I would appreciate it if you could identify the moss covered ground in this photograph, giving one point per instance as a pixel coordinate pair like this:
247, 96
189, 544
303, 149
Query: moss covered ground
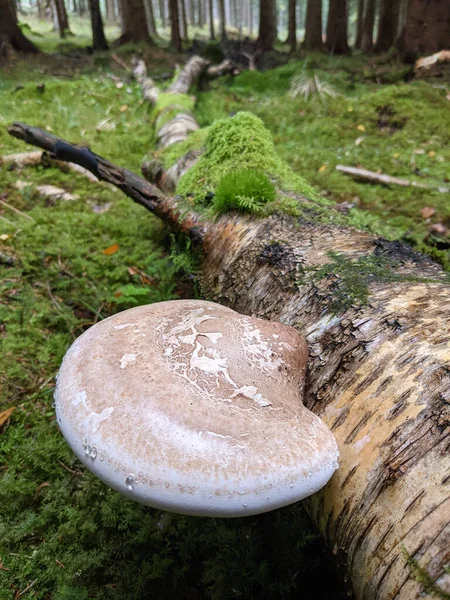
63, 534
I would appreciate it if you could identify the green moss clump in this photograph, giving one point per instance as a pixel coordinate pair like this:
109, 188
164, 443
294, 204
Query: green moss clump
239, 143
245, 190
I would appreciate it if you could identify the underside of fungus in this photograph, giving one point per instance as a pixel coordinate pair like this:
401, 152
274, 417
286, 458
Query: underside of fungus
191, 407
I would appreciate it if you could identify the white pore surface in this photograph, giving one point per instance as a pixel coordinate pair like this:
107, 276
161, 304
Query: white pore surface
155, 403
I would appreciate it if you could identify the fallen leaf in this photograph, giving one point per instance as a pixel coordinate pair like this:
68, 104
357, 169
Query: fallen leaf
5, 236
359, 140
4, 416
350, 109
323, 168
361, 128
119, 85
396, 155
123, 108
427, 212
419, 151
111, 249
431, 153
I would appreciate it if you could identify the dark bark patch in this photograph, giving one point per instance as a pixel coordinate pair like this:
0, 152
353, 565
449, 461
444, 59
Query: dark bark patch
352, 435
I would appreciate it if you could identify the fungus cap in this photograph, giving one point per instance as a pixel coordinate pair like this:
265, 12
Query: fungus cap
191, 407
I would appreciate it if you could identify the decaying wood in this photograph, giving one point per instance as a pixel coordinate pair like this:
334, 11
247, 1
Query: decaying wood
167, 181
429, 66
379, 373
379, 178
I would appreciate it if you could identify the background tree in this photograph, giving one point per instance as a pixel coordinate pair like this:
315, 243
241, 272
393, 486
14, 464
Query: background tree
60, 17
222, 20
359, 24
134, 22
211, 20
426, 30
175, 37
313, 26
292, 25
98, 35
267, 25
337, 27
367, 27
184, 25
388, 25
111, 13
162, 13
10, 32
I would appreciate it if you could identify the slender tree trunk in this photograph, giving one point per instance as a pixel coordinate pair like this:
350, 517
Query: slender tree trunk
10, 32
427, 28
267, 25
175, 37
292, 26
388, 25
368, 24
134, 21
151, 24
211, 20
111, 15
337, 28
222, 19
359, 25
185, 34
162, 13
250, 18
98, 35
313, 26
62, 21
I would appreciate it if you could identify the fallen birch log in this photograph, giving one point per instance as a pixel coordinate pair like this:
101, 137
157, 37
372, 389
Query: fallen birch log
379, 178
376, 316
33, 159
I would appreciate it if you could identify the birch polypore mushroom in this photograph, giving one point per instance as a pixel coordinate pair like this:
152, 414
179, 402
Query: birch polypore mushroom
191, 407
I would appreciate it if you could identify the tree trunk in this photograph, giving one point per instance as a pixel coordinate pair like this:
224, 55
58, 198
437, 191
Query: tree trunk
388, 25
134, 22
175, 37
111, 15
292, 26
211, 20
267, 25
222, 19
313, 26
367, 30
427, 29
162, 13
250, 18
184, 19
359, 25
151, 25
62, 20
378, 373
10, 32
337, 28
98, 35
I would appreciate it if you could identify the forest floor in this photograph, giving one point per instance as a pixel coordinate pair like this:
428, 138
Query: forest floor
63, 534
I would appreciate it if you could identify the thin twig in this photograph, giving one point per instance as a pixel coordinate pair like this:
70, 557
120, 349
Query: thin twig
16, 210
26, 589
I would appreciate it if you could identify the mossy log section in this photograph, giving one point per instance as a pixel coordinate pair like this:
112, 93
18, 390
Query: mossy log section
378, 374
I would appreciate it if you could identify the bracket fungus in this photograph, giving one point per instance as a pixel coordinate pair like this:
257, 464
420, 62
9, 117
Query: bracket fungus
191, 407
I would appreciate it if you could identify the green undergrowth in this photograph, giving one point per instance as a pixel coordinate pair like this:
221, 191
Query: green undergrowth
400, 130
65, 265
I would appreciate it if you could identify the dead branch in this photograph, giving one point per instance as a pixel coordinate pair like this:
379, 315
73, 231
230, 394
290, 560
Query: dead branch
379, 178
428, 66
132, 185
33, 159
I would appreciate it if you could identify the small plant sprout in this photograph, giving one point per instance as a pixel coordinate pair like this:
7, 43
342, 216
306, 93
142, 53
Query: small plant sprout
190, 407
